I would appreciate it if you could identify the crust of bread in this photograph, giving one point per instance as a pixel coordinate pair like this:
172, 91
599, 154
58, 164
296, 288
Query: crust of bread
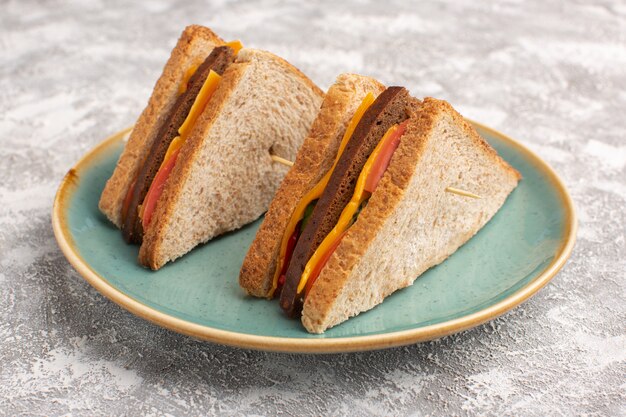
250, 54
314, 159
158, 243
195, 43
362, 271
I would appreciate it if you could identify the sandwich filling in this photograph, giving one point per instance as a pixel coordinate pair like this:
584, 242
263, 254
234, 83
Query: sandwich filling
195, 91
304, 209
368, 180
156, 187
323, 216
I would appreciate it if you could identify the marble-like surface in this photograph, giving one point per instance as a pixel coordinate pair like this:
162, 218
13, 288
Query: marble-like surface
551, 74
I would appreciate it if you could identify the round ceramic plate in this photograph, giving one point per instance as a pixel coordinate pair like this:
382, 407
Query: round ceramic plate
510, 259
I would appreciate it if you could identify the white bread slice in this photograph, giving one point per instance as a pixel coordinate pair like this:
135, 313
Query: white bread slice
410, 223
224, 176
194, 45
314, 159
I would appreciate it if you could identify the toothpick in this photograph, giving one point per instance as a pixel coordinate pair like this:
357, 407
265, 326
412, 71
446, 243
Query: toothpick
452, 190
460, 192
280, 160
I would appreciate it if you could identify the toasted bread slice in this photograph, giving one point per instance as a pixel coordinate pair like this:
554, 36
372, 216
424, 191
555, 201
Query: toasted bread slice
195, 43
314, 159
411, 223
224, 176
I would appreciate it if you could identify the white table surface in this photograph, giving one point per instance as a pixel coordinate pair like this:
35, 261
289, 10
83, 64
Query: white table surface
552, 75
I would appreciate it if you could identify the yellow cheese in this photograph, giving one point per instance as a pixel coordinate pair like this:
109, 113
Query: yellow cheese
235, 45
175, 145
317, 191
203, 97
186, 77
347, 214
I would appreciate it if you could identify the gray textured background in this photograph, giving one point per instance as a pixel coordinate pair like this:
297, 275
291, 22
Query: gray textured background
552, 75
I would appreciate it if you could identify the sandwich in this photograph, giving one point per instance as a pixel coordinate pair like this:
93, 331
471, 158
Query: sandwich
369, 203
198, 162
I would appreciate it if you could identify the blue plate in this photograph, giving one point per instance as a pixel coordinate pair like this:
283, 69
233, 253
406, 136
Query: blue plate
510, 259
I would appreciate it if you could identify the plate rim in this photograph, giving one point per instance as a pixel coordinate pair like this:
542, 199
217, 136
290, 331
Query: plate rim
311, 345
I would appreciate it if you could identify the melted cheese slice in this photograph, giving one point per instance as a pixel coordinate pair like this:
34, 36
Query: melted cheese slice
316, 192
348, 212
204, 95
186, 77
235, 45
